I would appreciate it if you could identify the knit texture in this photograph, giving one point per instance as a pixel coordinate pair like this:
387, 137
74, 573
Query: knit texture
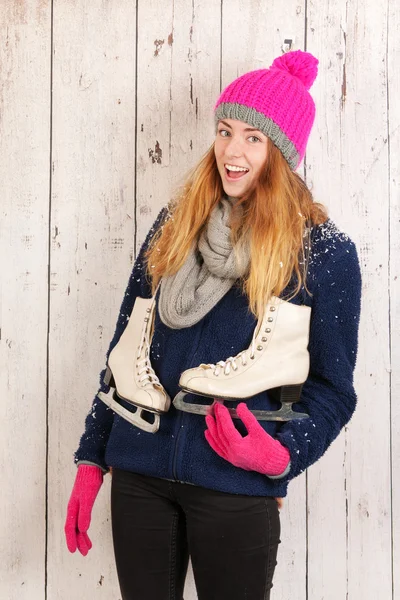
208, 273
88, 482
255, 451
179, 450
276, 101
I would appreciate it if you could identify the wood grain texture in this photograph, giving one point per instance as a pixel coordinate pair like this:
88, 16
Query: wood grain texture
355, 176
365, 188
92, 228
154, 60
251, 39
178, 82
24, 176
327, 496
393, 61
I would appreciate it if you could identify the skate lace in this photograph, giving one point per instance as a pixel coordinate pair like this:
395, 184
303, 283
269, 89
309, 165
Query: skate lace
146, 372
231, 362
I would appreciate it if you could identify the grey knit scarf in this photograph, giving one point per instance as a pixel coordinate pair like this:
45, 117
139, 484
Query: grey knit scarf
208, 273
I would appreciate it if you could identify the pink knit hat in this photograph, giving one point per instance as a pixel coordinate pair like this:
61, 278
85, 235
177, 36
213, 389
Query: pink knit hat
276, 101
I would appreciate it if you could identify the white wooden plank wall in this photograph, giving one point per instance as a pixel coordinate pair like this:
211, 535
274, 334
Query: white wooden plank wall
327, 522
103, 109
348, 176
25, 60
393, 58
92, 236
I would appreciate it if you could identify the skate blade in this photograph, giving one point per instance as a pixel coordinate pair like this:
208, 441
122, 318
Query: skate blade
132, 418
108, 377
285, 413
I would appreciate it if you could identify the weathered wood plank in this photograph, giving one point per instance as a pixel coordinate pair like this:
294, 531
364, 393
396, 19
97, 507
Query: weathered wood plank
178, 79
394, 274
253, 35
24, 175
356, 146
195, 74
178, 83
365, 188
327, 498
155, 46
92, 228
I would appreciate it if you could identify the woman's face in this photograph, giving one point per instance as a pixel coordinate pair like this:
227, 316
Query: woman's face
241, 153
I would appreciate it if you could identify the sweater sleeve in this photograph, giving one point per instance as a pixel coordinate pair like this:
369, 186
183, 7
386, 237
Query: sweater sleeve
98, 423
328, 395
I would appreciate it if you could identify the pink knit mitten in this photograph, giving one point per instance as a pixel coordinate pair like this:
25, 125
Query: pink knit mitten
257, 451
86, 487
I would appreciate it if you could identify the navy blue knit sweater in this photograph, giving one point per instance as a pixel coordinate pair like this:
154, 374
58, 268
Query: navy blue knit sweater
179, 450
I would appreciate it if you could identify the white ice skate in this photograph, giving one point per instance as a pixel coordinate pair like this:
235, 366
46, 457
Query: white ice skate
277, 360
130, 373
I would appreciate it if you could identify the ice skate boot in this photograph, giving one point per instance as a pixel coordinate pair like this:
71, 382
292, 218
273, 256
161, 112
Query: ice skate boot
277, 360
130, 373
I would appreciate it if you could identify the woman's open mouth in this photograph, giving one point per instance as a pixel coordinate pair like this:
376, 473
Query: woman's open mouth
233, 172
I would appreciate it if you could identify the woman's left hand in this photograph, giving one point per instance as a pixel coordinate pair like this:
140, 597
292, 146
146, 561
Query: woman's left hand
257, 451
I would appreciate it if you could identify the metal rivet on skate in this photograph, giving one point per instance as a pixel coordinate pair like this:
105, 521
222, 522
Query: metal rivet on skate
260, 347
270, 319
272, 309
268, 330
264, 339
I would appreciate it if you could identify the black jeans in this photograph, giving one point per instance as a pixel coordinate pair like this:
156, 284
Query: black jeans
232, 540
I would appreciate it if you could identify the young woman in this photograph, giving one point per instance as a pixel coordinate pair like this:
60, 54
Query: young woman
257, 301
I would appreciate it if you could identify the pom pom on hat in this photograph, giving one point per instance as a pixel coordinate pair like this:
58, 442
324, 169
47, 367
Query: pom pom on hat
302, 65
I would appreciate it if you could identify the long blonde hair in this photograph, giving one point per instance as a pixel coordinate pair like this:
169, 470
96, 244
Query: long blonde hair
271, 219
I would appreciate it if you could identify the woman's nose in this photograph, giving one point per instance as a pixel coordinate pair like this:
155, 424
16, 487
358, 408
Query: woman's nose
234, 148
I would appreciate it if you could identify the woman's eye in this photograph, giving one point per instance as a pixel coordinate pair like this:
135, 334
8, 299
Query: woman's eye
223, 132
254, 138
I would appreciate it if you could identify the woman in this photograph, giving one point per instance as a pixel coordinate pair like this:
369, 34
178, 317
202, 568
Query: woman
242, 248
